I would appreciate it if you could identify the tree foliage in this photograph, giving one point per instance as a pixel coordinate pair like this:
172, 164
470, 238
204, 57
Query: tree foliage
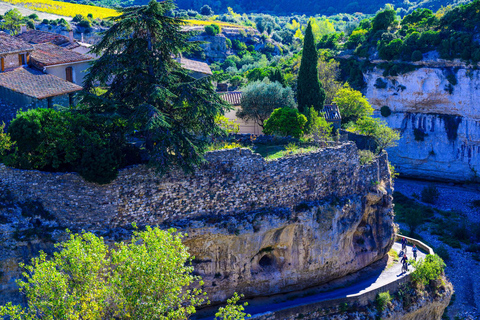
317, 126
352, 104
50, 140
147, 86
428, 270
260, 98
12, 21
310, 92
285, 122
146, 278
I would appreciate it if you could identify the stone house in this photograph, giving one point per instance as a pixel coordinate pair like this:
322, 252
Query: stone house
63, 63
37, 75
197, 69
14, 53
234, 98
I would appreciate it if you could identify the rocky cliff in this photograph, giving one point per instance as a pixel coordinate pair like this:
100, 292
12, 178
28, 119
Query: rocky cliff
437, 111
254, 227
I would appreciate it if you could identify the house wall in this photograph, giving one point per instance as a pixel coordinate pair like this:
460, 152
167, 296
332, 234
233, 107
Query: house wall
78, 71
249, 127
11, 61
11, 102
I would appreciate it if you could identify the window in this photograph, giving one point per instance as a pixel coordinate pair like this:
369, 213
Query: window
22, 59
2, 64
50, 102
69, 74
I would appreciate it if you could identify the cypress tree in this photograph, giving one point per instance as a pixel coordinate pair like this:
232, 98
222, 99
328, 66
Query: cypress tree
310, 92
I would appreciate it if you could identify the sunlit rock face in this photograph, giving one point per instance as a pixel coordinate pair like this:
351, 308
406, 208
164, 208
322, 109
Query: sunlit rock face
437, 110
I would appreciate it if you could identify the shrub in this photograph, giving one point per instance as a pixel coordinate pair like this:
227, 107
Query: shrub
430, 194
30, 24
413, 219
212, 30
317, 126
228, 42
5, 141
385, 111
78, 18
85, 23
285, 122
33, 16
206, 10
443, 253
46, 139
380, 84
45, 21
366, 156
428, 270
417, 55
383, 299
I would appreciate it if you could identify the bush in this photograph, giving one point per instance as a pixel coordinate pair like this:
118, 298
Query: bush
85, 23
428, 270
285, 122
78, 18
33, 16
430, 194
30, 24
380, 84
417, 55
50, 140
212, 30
206, 10
383, 299
366, 156
443, 253
317, 126
385, 111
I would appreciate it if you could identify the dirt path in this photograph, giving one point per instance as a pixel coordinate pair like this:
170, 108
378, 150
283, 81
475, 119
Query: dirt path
4, 7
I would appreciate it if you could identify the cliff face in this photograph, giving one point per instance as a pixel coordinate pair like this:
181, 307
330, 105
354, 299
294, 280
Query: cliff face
254, 227
436, 109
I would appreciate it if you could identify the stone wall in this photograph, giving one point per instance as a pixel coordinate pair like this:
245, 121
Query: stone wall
233, 181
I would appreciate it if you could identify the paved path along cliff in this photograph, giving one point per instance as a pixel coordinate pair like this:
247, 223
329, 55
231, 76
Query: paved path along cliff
376, 279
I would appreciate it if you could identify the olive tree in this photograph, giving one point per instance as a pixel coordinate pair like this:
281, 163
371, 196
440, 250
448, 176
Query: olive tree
260, 98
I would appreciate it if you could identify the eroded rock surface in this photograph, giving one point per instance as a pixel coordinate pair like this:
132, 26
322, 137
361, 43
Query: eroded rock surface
437, 112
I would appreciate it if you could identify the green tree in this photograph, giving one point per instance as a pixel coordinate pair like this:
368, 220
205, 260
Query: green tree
310, 92
352, 104
385, 137
206, 10
317, 126
427, 270
147, 86
150, 277
260, 98
328, 74
12, 21
383, 19
285, 122
212, 30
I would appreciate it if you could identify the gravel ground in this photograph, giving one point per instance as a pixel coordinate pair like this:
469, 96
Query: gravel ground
462, 270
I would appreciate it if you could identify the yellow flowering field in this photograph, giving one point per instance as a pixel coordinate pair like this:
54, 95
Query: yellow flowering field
64, 8
72, 9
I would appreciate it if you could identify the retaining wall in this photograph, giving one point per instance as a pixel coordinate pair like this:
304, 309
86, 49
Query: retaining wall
234, 181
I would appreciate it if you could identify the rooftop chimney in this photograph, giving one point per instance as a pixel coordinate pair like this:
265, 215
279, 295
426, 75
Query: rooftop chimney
70, 34
82, 37
23, 28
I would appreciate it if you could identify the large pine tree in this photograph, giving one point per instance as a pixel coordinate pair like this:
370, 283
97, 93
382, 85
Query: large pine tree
310, 92
174, 112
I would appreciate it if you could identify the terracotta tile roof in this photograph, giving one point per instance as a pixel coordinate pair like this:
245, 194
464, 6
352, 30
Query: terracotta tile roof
195, 66
48, 54
9, 44
233, 97
33, 83
332, 112
37, 36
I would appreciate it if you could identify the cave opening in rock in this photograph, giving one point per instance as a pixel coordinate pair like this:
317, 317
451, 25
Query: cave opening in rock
266, 261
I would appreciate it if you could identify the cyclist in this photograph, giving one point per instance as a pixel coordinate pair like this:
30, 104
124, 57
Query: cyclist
404, 262
404, 245
414, 249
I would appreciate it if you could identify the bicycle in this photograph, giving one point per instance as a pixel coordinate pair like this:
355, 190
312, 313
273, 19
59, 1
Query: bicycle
405, 267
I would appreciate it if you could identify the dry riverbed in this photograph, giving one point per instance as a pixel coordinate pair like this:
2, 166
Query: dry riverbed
463, 268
